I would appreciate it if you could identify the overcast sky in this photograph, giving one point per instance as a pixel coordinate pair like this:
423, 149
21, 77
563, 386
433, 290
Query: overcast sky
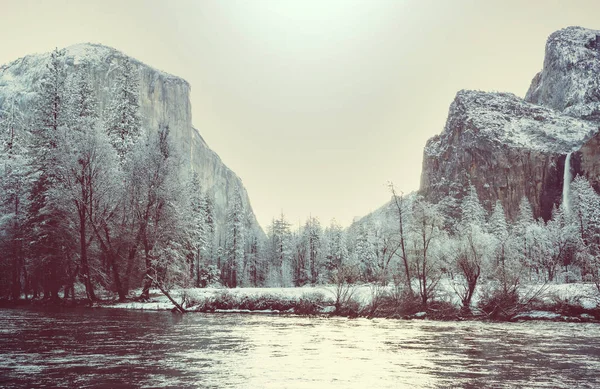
314, 104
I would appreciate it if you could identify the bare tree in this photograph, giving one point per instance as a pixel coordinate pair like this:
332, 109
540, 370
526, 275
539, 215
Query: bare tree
399, 203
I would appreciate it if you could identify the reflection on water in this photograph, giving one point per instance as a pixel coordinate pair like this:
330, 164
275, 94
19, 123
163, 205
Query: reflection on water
113, 348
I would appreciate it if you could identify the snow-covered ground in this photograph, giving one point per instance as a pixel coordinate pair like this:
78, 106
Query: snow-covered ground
576, 294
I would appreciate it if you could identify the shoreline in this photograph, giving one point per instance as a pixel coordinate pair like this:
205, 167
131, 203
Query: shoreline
320, 301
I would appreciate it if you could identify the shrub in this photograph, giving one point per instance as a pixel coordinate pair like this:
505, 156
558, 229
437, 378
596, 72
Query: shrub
311, 303
498, 304
442, 310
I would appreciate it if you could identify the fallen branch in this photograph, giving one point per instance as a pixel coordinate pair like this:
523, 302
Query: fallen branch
177, 306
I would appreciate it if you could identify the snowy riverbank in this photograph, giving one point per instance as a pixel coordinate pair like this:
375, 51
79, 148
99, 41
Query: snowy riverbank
559, 302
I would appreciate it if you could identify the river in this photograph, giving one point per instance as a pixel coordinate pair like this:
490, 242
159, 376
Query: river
81, 348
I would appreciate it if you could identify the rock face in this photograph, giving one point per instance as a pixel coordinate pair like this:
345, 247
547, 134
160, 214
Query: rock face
569, 81
164, 100
588, 161
508, 147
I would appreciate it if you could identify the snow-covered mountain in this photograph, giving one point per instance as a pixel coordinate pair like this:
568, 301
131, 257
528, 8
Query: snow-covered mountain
164, 100
508, 147
569, 81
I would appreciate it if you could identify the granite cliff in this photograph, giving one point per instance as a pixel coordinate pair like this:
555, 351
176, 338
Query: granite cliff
164, 100
509, 147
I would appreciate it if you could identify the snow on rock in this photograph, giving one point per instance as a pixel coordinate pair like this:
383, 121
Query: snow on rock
508, 147
537, 315
504, 120
328, 309
164, 101
569, 79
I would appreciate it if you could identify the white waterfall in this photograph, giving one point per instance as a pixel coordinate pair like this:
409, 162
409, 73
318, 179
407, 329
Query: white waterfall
566, 205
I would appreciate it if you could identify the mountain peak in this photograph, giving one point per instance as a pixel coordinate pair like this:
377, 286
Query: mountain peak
569, 80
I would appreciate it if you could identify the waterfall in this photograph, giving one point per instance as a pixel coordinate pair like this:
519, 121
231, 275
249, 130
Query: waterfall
566, 205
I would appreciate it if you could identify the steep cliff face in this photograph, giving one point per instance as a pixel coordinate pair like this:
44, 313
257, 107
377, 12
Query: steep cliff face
569, 81
505, 147
587, 160
509, 148
164, 100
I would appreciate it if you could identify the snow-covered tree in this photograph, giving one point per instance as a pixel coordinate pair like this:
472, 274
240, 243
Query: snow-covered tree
280, 251
497, 223
311, 239
84, 161
364, 254
123, 120
426, 230
232, 272
156, 206
14, 185
522, 229
475, 248
585, 213
403, 217
45, 217
560, 236
196, 228
505, 268
473, 215
335, 249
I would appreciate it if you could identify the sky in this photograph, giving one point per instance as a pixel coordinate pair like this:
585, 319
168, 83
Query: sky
315, 104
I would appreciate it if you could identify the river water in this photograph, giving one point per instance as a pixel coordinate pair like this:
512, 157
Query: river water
81, 348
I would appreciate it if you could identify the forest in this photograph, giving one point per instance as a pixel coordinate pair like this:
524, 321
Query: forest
96, 206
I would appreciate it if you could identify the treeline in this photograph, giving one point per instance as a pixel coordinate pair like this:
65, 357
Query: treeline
92, 202
413, 245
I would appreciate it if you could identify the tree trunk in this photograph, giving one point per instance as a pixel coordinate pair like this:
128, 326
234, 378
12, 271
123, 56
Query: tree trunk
116, 277
85, 268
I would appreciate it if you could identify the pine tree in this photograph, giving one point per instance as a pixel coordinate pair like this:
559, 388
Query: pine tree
44, 215
235, 241
13, 188
364, 253
336, 250
497, 224
124, 123
522, 230
473, 214
586, 218
196, 240
280, 252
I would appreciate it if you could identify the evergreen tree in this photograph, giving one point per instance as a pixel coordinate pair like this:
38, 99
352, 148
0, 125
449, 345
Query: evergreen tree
123, 123
44, 215
312, 238
336, 250
13, 188
523, 228
497, 224
196, 229
280, 252
232, 272
364, 253
473, 213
